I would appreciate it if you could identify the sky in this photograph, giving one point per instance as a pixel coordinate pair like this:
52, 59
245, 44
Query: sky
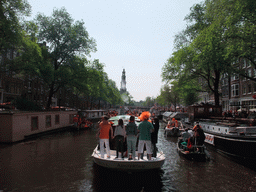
135, 35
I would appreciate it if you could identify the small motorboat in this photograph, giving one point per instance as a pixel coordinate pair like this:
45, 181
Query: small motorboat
173, 131
196, 152
128, 165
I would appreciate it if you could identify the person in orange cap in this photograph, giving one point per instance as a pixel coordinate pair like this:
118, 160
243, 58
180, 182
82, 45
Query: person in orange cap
145, 128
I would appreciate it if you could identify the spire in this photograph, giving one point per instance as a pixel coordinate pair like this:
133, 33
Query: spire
123, 82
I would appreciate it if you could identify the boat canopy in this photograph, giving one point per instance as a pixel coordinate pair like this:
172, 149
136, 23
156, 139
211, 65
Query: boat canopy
167, 114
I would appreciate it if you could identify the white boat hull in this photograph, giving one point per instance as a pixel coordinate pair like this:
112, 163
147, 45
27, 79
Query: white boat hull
125, 164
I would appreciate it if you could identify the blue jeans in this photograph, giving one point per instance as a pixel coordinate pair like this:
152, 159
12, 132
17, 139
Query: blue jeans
131, 144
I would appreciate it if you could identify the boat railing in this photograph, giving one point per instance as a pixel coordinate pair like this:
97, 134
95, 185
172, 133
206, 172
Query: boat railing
161, 153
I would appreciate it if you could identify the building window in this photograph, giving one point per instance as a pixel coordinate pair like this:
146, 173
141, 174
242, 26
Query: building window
249, 73
254, 87
8, 55
34, 123
57, 119
235, 90
243, 63
29, 85
42, 89
249, 88
248, 63
48, 120
234, 77
244, 90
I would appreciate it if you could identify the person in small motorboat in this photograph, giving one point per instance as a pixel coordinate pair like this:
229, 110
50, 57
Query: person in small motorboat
145, 128
119, 135
131, 133
169, 124
185, 138
185, 135
103, 133
199, 135
176, 124
173, 122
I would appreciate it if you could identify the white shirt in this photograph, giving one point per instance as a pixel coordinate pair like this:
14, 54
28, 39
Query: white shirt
119, 130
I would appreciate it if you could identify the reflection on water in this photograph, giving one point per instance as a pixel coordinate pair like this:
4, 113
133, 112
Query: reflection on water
63, 162
121, 181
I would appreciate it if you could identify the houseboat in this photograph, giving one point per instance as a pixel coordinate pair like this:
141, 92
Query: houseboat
19, 125
237, 140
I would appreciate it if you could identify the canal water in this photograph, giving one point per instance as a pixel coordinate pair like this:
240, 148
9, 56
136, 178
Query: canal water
63, 162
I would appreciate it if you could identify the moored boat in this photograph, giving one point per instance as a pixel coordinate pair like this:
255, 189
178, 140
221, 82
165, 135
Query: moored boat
232, 139
173, 131
128, 165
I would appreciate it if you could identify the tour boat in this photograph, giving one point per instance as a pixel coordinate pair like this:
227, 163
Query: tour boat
125, 119
128, 165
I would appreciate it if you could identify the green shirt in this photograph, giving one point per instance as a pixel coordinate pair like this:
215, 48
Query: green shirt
144, 128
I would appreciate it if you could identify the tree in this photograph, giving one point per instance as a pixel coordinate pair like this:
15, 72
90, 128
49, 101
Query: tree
66, 41
113, 94
11, 14
238, 18
165, 97
201, 51
149, 101
127, 98
95, 82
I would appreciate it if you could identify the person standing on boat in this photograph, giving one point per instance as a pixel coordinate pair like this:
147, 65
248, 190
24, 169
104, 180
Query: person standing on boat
75, 120
154, 135
145, 128
119, 135
104, 128
131, 132
199, 135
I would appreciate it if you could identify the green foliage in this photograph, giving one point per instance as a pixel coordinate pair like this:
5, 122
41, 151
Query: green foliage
218, 33
64, 62
149, 101
11, 13
25, 105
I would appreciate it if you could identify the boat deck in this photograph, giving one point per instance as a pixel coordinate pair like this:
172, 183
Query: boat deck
96, 154
128, 165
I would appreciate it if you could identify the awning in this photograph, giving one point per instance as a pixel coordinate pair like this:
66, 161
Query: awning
247, 99
252, 110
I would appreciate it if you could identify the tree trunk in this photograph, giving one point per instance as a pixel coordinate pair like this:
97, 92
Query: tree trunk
216, 89
49, 102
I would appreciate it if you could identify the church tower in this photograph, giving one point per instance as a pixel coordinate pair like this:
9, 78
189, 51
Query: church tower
123, 83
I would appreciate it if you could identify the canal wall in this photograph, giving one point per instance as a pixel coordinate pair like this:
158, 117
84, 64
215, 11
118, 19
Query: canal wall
16, 126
